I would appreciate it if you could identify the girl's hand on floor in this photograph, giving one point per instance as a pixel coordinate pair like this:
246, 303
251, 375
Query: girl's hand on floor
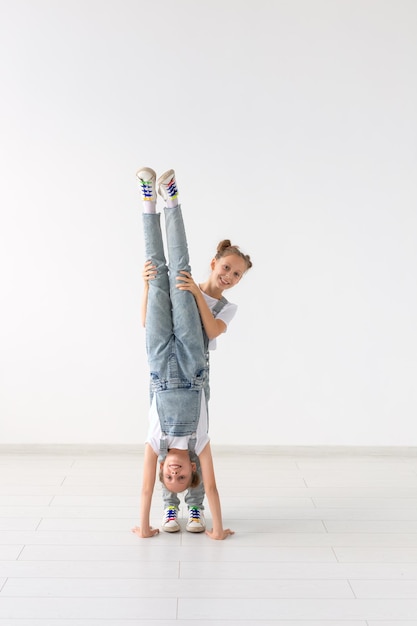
149, 532
220, 536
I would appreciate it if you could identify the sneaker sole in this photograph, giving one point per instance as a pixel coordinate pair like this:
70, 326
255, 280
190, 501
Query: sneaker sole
170, 530
195, 530
148, 170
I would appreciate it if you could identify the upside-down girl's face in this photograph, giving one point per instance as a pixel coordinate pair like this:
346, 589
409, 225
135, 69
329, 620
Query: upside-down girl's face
228, 270
177, 470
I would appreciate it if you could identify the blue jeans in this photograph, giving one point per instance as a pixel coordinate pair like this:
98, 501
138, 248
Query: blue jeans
174, 337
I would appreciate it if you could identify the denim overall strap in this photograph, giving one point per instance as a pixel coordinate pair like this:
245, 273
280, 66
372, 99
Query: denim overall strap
163, 449
191, 447
215, 310
219, 305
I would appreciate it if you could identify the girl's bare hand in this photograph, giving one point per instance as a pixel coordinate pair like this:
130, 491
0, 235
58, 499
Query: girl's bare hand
187, 282
220, 536
145, 533
149, 271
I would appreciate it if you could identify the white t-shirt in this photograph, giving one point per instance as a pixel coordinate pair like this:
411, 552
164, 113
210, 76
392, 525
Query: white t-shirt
181, 443
226, 315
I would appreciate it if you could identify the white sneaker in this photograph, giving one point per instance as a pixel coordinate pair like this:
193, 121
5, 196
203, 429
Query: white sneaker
196, 522
147, 180
167, 185
170, 521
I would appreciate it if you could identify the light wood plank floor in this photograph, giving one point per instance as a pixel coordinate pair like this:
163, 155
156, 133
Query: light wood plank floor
322, 539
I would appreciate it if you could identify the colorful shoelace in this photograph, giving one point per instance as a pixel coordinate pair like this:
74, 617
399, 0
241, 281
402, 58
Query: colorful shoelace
171, 188
194, 514
170, 514
147, 189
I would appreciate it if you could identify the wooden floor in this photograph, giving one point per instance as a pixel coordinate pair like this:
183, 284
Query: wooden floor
321, 540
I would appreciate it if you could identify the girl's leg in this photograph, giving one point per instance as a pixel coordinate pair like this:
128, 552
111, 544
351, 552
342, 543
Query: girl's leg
170, 522
169, 498
185, 316
159, 326
195, 497
194, 500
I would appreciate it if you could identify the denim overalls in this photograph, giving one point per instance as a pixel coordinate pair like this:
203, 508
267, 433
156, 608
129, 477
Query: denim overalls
174, 335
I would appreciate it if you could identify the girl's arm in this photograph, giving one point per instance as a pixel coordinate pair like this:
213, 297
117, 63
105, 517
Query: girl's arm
213, 327
209, 479
148, 483
147, 274
144, 305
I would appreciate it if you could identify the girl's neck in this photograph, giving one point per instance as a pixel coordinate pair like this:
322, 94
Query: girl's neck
209, 290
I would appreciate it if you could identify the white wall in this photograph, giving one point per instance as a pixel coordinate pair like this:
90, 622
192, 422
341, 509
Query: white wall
292, 127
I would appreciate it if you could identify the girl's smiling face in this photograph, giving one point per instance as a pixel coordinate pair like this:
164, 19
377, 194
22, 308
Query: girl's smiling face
177, 470
228, 270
